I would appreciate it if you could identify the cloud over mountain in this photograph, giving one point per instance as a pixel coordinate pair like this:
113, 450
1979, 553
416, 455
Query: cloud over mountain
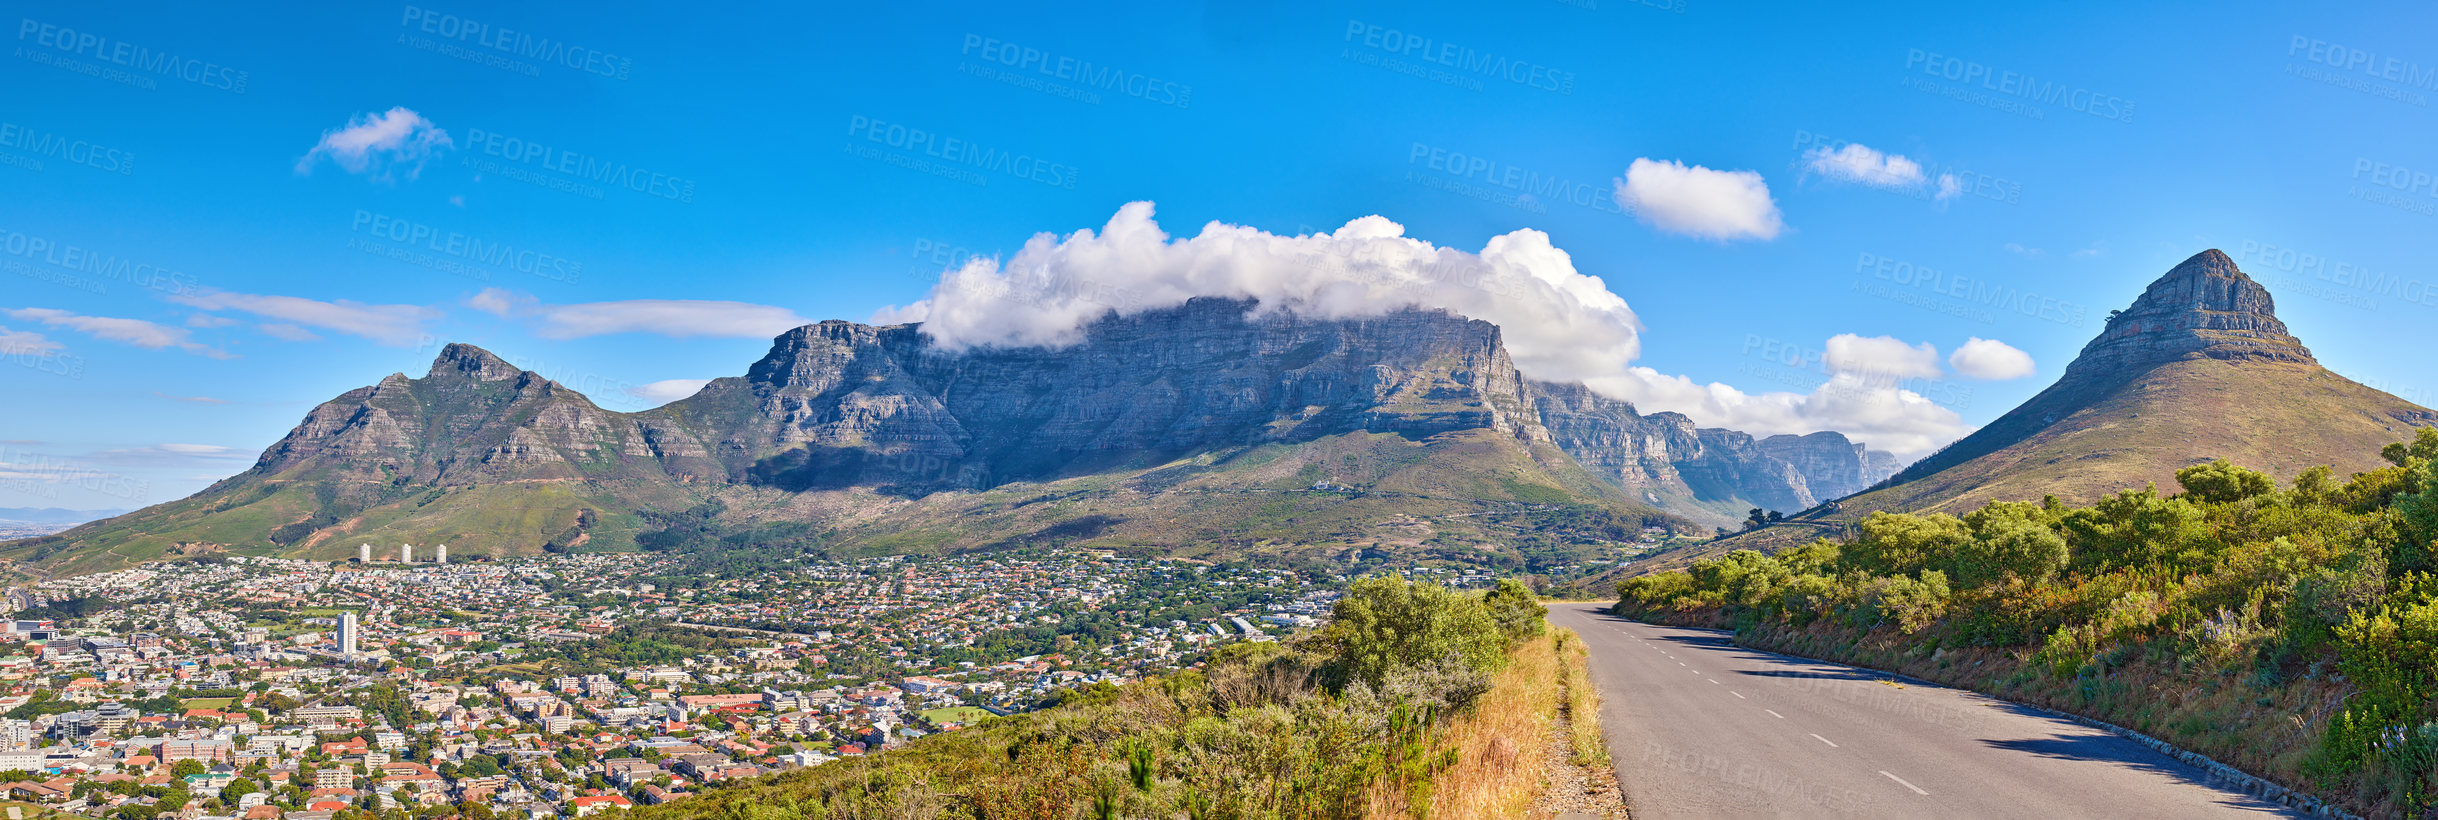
1559, 323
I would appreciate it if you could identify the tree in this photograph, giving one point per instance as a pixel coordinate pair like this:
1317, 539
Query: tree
1519, 612
2221, 482
1383, 624
187, 768
1756, 519
238, 789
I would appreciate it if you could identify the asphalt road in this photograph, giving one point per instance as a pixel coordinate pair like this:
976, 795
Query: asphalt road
1700, 727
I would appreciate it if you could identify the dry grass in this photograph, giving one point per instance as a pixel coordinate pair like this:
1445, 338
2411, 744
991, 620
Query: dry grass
1582, 700
1499, 765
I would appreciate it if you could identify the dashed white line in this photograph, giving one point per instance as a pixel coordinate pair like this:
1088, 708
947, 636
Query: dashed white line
1831, 744
1901, 782
1713, 681
1738, 695
1774, 713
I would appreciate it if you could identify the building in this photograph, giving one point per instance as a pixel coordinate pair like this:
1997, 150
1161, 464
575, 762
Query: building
364, 553
406, 553
440, 554
347, 633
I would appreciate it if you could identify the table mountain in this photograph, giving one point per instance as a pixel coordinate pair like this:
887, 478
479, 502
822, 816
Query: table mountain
1206, 427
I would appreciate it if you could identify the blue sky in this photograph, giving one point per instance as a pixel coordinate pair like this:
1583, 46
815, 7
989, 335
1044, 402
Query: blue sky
186, 273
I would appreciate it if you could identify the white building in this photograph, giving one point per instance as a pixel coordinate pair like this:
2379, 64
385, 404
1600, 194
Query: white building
406, 553
440, 555
364, 553
347, 633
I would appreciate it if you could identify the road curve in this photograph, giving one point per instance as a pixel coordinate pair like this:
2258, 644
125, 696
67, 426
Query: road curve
1700, 727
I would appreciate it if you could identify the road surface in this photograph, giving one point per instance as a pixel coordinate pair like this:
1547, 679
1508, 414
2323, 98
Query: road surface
1700, 727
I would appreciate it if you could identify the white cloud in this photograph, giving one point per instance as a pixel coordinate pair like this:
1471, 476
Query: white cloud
1698, 201
373, 144
137, 332
2095, 249
2019, 250
396, 325
1856, 162
1885, 357
498, 302
24, 343
679, 318
169, 454
1560, 324
288, 332
667, 390
206, 320
1859, 163
1991, 359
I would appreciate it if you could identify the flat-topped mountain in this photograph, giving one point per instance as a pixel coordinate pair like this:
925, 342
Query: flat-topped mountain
1212, 426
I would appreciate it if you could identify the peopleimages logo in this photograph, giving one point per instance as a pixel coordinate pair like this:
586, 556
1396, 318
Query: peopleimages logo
474, 249
518, 43
580, 166
86, 261
959, 151
2367, 63
1081, 72
1538, 186
2018, 86
93, 155
1966, 291
72, 43
1461, 59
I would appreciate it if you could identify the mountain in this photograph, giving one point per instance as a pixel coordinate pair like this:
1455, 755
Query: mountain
1210, 428
2198, 368
1666, 461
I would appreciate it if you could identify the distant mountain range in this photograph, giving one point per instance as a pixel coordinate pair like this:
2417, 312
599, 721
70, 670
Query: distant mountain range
53, 515
2198, 368
1209, 428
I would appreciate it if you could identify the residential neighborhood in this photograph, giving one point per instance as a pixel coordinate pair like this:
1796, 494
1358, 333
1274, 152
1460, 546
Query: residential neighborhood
259, 688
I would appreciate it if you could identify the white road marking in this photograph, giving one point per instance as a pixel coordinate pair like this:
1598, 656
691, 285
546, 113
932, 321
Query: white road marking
1901, 782
1738, 695
1713, 681
1831, 744
1774, 713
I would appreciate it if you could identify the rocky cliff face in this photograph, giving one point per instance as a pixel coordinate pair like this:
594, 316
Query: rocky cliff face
2203, 308
1663, 457
843, 404
473, 418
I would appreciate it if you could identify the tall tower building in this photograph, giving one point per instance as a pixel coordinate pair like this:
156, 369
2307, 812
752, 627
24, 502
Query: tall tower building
364, 553
347, 633
406, 553
440, 555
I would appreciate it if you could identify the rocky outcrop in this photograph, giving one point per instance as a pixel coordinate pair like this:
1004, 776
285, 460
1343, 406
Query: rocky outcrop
1663, 456
2204, 307
1832, 465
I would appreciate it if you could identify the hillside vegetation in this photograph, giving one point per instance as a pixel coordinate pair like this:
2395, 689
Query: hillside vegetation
2290, 632
1416, 700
